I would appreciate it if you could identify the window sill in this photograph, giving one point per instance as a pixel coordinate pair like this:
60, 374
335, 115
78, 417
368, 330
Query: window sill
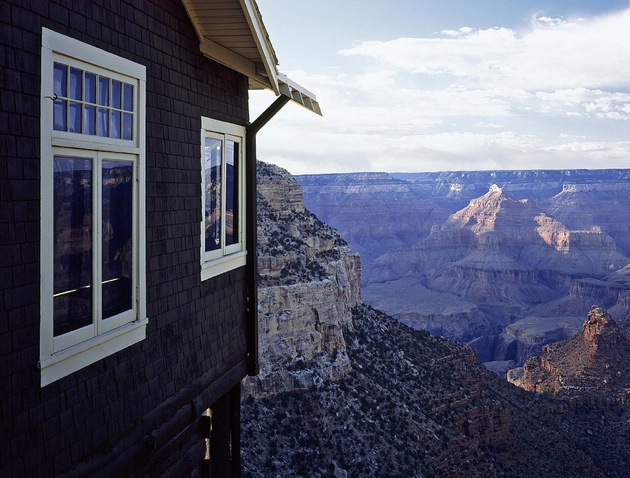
224, 264
81, 355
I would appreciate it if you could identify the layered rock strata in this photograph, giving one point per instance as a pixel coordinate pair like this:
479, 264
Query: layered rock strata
595, 363
309, 280
502, 265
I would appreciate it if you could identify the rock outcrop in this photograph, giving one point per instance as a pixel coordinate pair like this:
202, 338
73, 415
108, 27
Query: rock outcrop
418, 405
595, 363
382, 399
500, 260
309, 281
374, 212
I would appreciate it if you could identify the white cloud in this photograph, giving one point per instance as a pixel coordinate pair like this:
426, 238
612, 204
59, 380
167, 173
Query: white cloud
553, 54
467, 99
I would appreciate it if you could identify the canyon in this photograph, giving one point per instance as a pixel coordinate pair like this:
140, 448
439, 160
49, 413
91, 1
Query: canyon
505, 261
347, 390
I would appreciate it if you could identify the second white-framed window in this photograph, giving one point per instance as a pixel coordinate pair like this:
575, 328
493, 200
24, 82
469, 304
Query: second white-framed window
223, 197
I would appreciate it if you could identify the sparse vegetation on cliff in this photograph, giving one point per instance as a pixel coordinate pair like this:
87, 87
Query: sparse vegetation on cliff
417, 405
372, 397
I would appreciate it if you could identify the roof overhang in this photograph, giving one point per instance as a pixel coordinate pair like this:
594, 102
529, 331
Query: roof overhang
231, 32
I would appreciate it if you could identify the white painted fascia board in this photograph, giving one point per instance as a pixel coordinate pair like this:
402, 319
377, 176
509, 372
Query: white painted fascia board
262, 42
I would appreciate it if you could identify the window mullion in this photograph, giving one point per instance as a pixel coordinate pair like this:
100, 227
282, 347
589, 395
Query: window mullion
97, 243
135, 238
223, 191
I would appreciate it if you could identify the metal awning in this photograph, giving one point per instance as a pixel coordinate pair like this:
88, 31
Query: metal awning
232, 33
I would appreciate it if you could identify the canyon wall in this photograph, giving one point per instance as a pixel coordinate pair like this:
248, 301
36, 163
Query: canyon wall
309, 281
503, 260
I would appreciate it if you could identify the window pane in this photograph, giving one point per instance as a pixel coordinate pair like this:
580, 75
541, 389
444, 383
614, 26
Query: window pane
60, 115
128, 97
127, 126
60, 81
103, 123
72, 218
116, 91
115, 124
103, 91
90, 87
74, 120
76, 83
231, 193
89, 120
117, 237
213, 193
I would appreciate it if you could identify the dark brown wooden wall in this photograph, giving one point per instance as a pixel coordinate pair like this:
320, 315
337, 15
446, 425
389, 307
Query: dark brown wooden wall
196, 331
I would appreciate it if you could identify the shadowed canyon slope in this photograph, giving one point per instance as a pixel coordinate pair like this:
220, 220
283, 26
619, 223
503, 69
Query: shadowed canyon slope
346, 390
506, 261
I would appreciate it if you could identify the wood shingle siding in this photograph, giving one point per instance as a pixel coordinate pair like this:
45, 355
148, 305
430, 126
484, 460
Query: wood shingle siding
108, 418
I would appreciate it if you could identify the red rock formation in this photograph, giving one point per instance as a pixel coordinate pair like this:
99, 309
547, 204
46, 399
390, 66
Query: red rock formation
595, 362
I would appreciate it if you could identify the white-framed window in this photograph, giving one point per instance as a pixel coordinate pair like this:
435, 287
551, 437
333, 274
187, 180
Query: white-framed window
223, 197
93, 287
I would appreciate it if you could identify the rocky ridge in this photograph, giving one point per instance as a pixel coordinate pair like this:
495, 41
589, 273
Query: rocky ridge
502, 260
418, 405
593, 364
409, 403
308, 284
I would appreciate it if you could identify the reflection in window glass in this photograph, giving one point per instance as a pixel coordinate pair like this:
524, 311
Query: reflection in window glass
113, 117
76, 84
60, 115
72, 218
128, 97
60, 80
114, 124
103, 91
116, 92
90, 87
89, 120
74, 117
213, 193
127, 126
103, 126
117, 223
231, 193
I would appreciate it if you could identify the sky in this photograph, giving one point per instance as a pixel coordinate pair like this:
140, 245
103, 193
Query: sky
450, 85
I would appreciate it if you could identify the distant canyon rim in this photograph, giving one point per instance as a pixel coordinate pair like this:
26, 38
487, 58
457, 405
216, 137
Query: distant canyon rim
505, 261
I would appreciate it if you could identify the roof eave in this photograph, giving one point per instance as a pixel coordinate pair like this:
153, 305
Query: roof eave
268, 56
261, 69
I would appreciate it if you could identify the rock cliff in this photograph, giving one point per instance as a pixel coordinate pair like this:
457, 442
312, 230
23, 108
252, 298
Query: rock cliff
500, 259
374, 212
594, 364
377, 398
418, 405
308, 284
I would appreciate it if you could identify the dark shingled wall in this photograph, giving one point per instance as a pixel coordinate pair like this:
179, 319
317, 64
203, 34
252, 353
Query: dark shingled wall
196, 331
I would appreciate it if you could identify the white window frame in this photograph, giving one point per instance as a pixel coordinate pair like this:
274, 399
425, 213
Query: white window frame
67, 353
234, 255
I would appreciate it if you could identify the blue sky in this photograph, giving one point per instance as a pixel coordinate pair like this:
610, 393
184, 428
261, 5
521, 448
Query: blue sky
450, 85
